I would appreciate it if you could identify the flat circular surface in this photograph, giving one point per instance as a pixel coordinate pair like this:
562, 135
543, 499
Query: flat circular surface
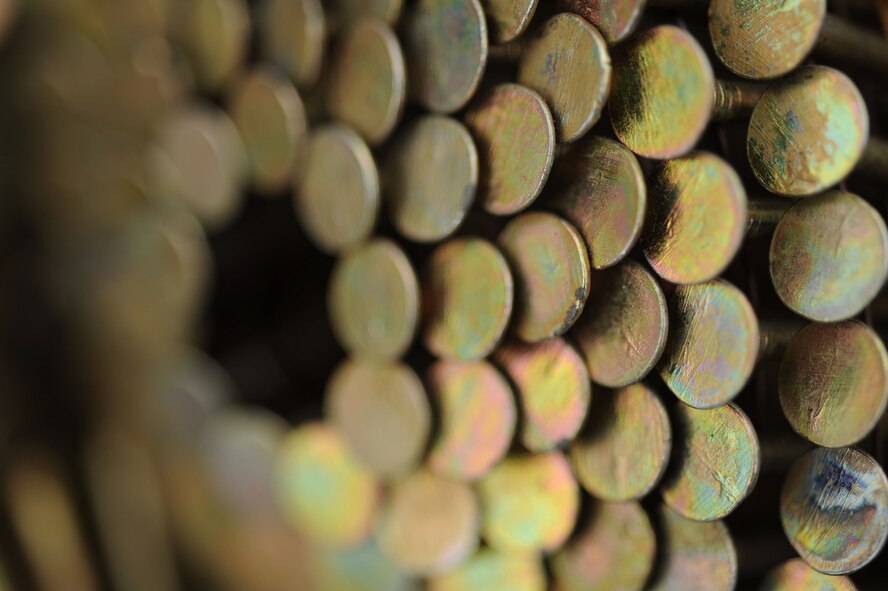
553, 390
795, 575
429, 524
616, 19
217, 34
363, 568
368, 80
807, 131
764, 40
468, 297
551, 268
662, 92
382, 412
613, 550
445, 43
348, 10
530, 503
834, 509
515, 134
829, 256
715, 464
373, 301
292, 38
696, 556
322, 490
713, 343
507, 19
696, 220
271, 120
833, 382
623, 450
599, 187
567, 62
489, 570
337, 194
431, 178
622, 330
477, 416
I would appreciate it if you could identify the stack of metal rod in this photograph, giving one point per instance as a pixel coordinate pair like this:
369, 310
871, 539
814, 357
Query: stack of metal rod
500, 295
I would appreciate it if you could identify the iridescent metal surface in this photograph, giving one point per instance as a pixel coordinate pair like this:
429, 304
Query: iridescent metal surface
216, 36
696, 556
293, 35
696, 218
834, 509
829, 256
477, 415
382, 412
271, 120
767, 39
507, 19
431, 177
613, 550
489, 570
554, 390
622, 331
616, 19
567, 62
322, 490
713, 343
807, 132
445, 43
530, 503
624, 449
795, 575
715, 464
373, 301
368, 80
551, 270
662, 92
600, 189
429, 525
515, 134
337, 194
364, 568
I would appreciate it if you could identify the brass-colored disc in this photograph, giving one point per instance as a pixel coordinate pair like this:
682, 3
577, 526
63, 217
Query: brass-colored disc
337, 193
713, 343
600, 188
468, 299
696, 556
567, 62
764, 40
623, 451
554, 390
216, 36
368, 80
662, 92
445, 43
614, 550
715, 464
431, 177
696, 219
478, 418
293, 36
382, 412
807, 132
616, 19
429, 524
345, 11
530, 503
622, 330
795, 575
373, 302
829, 256
489, 570
551, 270
834, 509
833, 382
516, 145
322, 490
507, 19
271, 120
